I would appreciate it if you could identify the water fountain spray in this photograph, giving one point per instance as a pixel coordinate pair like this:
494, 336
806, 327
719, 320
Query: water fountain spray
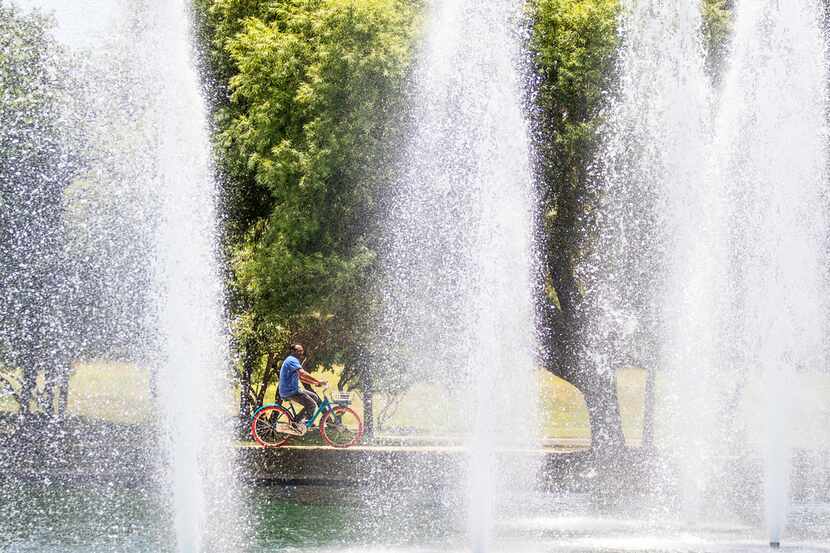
735, 229
192, 363
771, 138
660, 247
164, 154
461, 240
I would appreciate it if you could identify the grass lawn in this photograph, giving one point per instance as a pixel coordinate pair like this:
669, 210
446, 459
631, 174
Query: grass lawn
114, 392
563, 410
120, 393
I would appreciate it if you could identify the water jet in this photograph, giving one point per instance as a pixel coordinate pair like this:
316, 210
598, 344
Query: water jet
468, 157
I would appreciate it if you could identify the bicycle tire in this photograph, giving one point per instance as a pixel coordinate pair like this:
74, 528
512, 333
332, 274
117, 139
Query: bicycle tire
341, 427
264, 427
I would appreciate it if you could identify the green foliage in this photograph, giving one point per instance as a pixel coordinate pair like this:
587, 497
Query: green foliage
32, 174
717, 28
30, 86
307, 134
574, 42
307, 138
38, 141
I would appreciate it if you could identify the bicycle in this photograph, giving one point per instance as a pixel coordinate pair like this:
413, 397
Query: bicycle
340, 426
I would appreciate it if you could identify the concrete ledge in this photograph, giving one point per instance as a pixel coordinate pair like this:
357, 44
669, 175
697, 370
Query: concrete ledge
366, 465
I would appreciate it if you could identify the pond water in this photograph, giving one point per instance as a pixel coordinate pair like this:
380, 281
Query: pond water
102, 518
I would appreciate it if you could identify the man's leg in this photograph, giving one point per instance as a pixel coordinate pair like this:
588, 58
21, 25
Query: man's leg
309, 405
313, 395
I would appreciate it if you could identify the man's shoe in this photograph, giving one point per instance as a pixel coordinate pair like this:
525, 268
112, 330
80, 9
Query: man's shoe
289, 428
299, 427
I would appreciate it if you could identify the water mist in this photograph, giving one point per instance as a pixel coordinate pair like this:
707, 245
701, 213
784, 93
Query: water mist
772, 138
459, 259
193, 361
714, 204
659, 252
151, 192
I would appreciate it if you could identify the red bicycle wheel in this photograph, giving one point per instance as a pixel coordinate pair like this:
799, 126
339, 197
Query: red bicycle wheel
341, 427
268, 426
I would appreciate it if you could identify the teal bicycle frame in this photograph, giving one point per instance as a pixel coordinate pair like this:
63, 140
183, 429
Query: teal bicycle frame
324, 407
335, 430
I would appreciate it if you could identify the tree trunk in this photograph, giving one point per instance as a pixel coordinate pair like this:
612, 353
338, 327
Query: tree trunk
266, 377
368, 407
564, 358
607, 437
60, 390
27, 390
601, 399
248, 363
648, 411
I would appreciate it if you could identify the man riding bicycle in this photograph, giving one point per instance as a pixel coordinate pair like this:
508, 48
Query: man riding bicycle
291, 374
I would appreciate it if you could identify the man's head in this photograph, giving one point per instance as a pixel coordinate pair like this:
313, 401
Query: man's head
297, 350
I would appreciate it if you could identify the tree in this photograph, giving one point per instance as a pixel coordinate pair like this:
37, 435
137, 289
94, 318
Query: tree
574, 43
717, 29
36, 164
305, 141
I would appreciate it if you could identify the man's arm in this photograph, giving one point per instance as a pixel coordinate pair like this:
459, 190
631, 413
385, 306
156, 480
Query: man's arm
306, 378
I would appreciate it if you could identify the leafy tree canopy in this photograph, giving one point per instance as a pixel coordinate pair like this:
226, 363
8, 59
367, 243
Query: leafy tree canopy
575, 42
307, 139
308, 130
37, 161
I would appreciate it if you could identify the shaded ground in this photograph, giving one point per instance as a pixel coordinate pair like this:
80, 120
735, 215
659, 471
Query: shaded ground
42, 448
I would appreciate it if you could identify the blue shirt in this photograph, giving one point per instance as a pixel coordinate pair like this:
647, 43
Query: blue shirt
290, 376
